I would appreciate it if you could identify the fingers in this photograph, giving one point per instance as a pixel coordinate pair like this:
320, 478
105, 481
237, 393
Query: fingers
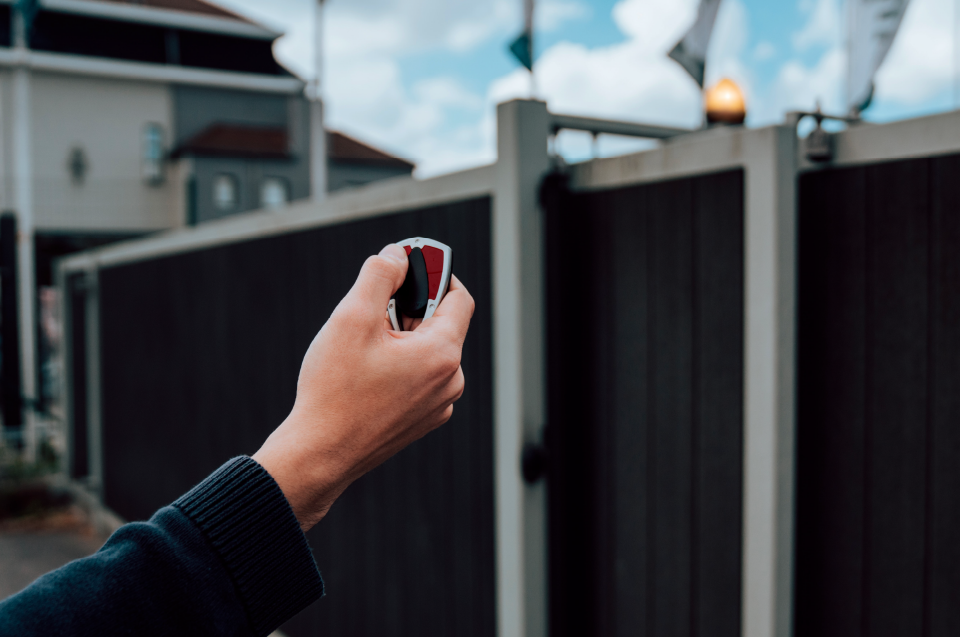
379, 278
453, 316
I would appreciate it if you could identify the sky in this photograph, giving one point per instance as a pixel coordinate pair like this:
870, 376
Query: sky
421, 78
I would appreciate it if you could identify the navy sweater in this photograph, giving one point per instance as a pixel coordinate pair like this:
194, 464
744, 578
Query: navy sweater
227, 558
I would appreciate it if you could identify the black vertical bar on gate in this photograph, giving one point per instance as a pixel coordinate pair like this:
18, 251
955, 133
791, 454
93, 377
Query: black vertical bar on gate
75, 304
10, 396
570, 469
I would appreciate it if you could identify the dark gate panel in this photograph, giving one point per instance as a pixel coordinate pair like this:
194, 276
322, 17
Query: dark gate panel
878, 467
645, 359
200, 357
76, 306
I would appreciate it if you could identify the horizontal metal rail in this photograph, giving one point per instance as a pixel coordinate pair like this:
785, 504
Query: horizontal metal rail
613, 127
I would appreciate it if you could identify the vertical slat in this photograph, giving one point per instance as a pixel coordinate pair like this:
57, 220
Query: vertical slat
670, 400
718, 404
76, 305
830, 433
631, 241
897, 323
943, 554
599, 381
570, 433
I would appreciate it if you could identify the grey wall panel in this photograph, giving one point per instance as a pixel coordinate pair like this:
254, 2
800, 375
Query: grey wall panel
878, 453
645, 335
196, 107
200, 358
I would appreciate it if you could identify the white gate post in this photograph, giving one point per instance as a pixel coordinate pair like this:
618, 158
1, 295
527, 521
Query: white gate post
770, 305
518, 362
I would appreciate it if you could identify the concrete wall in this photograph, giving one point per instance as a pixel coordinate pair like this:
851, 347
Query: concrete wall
106, 119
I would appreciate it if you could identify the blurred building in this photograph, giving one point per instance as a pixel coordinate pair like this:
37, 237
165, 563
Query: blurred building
124, 117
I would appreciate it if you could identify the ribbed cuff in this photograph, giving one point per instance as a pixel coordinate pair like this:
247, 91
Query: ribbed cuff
242, 512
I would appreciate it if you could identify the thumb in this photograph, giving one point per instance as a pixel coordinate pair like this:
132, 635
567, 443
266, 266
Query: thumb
379, 278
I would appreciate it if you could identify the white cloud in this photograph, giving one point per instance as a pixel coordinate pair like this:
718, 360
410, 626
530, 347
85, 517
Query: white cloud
823, 27
444, 126
764, 51
386, 27
632, 80
446, 91
551, 14
653, 25
798, 87
918, 65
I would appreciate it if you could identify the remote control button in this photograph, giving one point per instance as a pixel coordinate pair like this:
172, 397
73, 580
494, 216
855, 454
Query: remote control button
433, 257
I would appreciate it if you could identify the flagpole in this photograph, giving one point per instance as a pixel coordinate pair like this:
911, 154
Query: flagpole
528, 25
318, 130
956, 55
317, 47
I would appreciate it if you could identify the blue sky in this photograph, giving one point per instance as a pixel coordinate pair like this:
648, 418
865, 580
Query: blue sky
421, 77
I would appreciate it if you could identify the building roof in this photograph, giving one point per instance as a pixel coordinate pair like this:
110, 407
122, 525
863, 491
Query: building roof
271, 142
188, 6
233, 140
344, 148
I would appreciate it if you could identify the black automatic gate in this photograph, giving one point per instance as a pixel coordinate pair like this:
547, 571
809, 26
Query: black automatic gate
200, 353
645, 359
878, 472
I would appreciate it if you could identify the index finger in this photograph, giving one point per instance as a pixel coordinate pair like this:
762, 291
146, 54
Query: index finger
453, 314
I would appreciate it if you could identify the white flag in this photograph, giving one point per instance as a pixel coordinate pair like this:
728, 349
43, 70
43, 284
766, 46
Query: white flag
873, 25
691, 50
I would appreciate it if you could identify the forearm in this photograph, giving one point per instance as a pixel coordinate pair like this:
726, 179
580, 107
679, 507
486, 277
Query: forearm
228, 558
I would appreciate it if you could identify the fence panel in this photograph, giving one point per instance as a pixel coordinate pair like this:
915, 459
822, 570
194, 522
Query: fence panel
878, 379
200, 356
75, 307
645, 359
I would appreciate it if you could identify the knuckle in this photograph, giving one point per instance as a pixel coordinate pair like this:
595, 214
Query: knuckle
447, 414
448, 360
459, 383
471, 304
351, 313
380, 268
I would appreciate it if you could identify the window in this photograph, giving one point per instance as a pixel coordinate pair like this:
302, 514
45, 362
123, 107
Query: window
225, 192
274, 193
152, 160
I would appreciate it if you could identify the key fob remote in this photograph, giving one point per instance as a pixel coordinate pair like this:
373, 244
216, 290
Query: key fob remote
430, 264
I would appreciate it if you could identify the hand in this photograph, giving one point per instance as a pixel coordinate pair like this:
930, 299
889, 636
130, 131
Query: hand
365, 392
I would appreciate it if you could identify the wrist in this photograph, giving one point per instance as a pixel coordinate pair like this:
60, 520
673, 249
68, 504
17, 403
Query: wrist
310, 480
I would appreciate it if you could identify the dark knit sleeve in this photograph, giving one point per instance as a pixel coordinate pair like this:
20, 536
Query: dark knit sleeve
244, 515
228, 558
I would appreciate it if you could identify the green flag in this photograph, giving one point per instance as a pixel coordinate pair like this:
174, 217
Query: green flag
29, 9
521, 49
